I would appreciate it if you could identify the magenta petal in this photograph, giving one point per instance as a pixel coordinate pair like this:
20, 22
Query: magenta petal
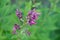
31, 22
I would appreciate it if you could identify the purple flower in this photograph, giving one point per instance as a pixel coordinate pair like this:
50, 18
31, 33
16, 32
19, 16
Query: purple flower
16, 27
19, 14
32, 16
31, 22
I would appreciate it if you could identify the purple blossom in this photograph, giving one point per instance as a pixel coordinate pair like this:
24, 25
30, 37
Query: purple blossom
19, 14
16, 27
32, 16
31, 22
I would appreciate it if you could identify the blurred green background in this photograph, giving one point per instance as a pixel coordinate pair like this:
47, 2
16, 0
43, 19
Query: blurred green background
48, 24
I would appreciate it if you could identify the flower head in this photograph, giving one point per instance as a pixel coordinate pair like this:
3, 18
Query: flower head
16, 27
32, 16
31, 22
19, 14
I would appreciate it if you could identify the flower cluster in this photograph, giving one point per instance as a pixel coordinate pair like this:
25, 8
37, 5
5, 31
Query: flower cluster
18, 14
31, 19
32, 16
16, 27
